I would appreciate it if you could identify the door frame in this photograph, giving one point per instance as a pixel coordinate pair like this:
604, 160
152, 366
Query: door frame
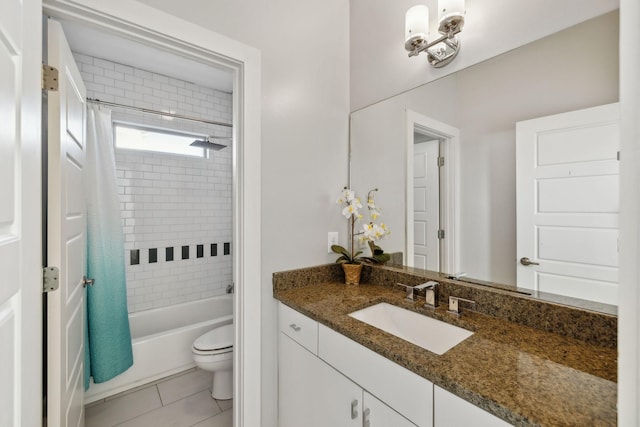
154, 27
449, 187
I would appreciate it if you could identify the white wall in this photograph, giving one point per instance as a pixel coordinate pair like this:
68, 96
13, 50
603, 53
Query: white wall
305, 106
629, 320
484, 102
380, 67
168, 200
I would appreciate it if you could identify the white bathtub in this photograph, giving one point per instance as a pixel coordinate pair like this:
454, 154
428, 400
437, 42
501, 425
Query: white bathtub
162, 340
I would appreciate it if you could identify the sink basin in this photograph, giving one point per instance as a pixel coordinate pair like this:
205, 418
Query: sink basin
431, 334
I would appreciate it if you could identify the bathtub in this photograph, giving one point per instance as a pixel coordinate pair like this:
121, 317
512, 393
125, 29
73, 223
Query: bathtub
162, 340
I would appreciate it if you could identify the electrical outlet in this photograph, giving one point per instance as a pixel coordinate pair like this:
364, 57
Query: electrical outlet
332, 239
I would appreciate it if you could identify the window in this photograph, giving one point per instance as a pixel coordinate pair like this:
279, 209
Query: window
134, 137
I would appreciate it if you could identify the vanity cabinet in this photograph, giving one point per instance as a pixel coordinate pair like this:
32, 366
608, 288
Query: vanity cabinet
328, 380
450, 410
313, 394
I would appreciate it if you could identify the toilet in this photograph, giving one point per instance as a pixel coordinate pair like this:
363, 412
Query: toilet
213, 352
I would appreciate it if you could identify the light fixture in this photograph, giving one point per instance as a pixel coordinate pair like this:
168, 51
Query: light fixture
442, 50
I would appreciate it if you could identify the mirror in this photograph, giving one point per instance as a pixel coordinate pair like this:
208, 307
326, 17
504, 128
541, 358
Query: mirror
571, 70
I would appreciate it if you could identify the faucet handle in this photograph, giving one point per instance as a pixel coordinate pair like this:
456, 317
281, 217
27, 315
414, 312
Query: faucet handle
454, 306
408, 289
427, 285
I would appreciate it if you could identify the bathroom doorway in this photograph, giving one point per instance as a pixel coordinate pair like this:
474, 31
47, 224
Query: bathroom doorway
242, 62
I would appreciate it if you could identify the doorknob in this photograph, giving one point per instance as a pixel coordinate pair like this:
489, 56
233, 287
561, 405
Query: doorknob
86, 281
526, 261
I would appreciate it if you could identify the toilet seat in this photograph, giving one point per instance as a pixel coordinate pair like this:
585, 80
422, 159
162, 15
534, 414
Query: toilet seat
216, 341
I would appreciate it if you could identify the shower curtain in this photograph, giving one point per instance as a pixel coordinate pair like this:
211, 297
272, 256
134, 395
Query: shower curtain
108, 350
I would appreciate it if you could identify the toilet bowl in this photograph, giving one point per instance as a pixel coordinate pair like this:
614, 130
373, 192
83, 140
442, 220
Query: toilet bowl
213, 352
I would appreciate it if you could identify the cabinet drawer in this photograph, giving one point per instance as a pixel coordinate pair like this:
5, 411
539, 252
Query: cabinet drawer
298, 327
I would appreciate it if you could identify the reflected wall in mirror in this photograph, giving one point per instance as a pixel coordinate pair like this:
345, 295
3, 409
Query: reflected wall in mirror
574, 69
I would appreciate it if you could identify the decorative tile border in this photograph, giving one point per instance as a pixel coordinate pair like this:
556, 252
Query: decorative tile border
134, 254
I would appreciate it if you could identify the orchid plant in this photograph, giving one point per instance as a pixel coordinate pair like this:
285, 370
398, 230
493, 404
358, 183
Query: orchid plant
371, 231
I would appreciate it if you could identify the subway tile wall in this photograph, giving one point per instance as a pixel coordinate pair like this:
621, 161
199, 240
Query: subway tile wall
169, 202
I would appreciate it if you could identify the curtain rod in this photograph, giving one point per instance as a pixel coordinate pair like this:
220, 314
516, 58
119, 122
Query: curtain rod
161, 113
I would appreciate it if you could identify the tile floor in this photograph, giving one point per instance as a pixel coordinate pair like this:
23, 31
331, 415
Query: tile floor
182, 400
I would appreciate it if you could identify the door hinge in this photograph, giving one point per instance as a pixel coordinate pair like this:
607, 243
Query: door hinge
50, 279
440, 234
440, 161
618, 156
49, 78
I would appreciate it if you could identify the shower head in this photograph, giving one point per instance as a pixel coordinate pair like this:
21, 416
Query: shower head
209, 144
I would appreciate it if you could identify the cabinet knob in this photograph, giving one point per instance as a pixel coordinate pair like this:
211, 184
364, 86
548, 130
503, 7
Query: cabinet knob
294, 327
354, 409
366, 421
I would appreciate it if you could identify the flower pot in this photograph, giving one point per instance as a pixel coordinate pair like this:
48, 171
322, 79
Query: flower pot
352, 273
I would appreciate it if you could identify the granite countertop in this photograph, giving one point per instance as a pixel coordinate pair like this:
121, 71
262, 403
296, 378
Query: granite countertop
524, 375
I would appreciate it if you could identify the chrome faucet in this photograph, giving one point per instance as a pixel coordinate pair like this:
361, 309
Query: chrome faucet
432, 293
454, 304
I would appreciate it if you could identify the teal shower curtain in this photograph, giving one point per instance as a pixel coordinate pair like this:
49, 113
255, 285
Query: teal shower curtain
108, 350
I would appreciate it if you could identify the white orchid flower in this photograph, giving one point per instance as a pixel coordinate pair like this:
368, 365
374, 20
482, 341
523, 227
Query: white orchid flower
349, 211
349, 195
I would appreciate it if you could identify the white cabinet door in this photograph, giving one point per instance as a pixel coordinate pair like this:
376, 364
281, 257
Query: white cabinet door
338, 401
311, 393
452, 411
376, 414
295, 373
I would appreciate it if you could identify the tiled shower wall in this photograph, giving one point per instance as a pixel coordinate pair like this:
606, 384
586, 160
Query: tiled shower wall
176, 210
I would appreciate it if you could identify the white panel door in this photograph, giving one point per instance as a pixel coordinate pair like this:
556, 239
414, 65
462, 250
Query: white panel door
426, 206
66, 237
20, 219
568, 202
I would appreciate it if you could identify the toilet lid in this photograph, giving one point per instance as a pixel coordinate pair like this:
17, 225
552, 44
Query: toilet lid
217, 339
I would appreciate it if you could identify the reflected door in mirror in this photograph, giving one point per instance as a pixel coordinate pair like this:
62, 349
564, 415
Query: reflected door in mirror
426, 204
568, 203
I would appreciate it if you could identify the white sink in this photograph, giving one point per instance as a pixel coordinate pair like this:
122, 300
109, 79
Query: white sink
431, 334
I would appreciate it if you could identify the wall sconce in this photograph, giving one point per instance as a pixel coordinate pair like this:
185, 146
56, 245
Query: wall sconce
441, 51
